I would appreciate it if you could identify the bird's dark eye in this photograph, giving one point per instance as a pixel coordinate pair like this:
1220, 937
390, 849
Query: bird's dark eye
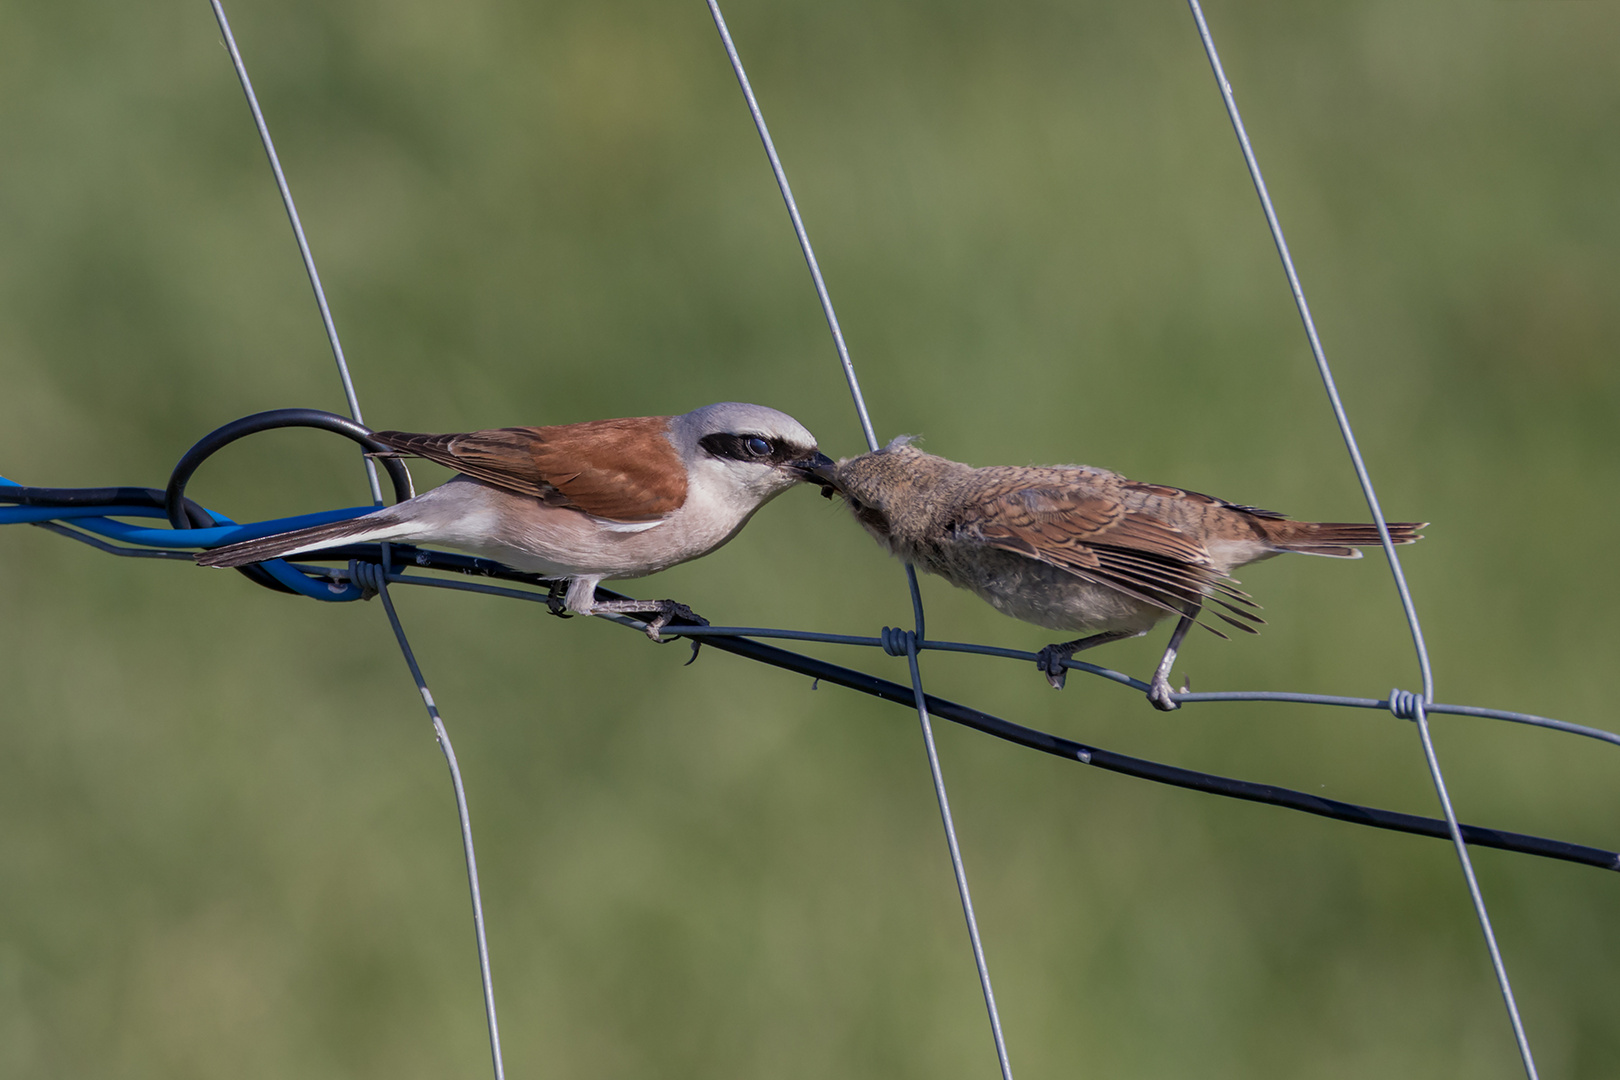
735, 447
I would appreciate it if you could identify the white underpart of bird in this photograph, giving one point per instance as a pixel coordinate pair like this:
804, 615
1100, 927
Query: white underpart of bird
1080, 549
582, 503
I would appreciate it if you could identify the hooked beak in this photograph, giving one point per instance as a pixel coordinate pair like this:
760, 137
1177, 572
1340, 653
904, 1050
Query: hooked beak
817, 467
822, 470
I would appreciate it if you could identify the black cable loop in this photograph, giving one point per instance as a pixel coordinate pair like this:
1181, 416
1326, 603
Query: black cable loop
221, 437
174, 500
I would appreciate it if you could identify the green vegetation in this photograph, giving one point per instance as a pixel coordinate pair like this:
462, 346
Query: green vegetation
227, 842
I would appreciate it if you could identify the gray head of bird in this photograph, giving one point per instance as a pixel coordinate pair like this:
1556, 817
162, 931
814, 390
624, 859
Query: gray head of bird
750, 452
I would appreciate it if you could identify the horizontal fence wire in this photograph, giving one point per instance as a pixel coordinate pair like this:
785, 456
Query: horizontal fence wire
413, 565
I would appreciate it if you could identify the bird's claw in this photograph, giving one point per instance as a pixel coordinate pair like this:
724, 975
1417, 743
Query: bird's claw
1050, 662
668, 610
555, 602
1162, 696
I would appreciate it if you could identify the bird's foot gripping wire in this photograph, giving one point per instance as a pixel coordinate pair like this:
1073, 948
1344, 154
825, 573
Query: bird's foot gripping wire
664, 613
556, 599
1162, 695
1159, 692
1050, 660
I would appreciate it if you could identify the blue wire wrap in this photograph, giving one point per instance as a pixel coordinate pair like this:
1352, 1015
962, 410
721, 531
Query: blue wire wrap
98, 520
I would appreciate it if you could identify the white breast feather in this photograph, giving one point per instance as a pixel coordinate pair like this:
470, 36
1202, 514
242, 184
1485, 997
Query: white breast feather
627, 526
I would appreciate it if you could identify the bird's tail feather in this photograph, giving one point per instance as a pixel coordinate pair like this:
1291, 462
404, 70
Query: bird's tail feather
367, 529
1337, 539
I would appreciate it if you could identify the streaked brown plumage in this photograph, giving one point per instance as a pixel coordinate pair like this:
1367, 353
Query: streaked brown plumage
1080, 549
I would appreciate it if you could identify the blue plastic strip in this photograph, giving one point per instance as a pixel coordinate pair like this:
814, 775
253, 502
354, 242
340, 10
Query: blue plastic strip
98, 520
228, 533
23, 515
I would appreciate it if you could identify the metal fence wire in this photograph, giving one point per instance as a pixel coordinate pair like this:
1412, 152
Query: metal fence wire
366, 571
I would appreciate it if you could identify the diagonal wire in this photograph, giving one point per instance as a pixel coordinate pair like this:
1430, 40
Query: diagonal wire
913, 641
1474, 894
443, 738
1322, 368
911, 574
798, 225
1383, 532
298, 234
440, 733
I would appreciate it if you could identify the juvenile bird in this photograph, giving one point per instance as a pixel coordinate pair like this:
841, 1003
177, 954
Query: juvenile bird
1079, 549
583, 503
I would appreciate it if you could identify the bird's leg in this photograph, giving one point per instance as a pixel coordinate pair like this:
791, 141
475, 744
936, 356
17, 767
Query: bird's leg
661, 610
1159, 692
1050, 659
581, 599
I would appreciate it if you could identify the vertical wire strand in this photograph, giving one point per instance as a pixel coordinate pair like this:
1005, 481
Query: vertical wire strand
1322, 368
298, 233
798, 224
1421, 718
440, 733
911, 575
956, 862
443, 736
1362, 476
957, 866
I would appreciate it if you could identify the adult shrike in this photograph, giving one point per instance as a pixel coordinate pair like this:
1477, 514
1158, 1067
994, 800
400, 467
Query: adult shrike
582, 503
1079, 549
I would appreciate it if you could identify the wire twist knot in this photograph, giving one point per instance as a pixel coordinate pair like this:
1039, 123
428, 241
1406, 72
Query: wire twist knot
1405, 704
368, 577
898, 642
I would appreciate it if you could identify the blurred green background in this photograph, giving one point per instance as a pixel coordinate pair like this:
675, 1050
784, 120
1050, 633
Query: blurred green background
227, 841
